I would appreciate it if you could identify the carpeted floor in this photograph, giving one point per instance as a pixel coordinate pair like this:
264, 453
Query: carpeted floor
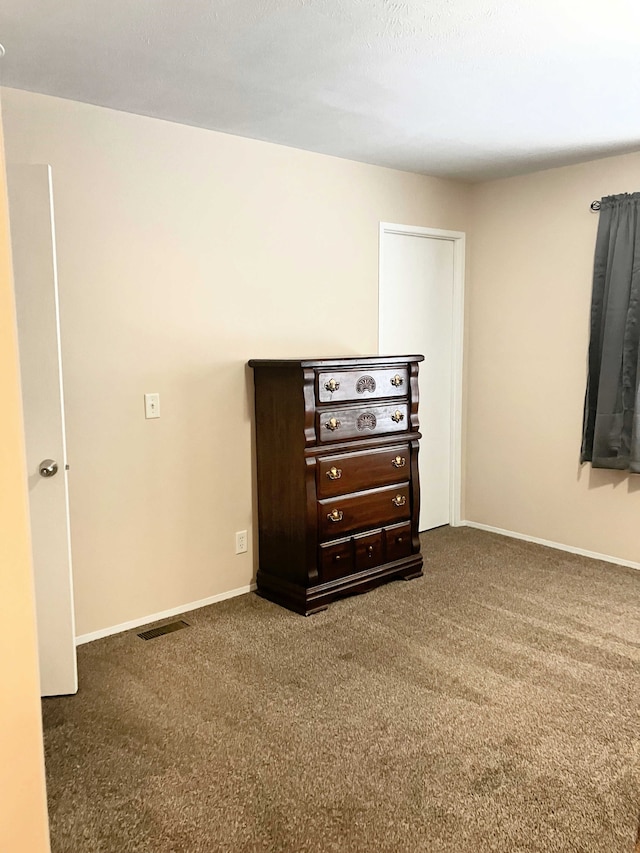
491, 705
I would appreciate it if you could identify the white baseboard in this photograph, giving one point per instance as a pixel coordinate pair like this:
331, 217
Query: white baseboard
558, 545
156, 617
222, 596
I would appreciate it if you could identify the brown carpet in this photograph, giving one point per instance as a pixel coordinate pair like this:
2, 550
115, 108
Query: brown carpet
490, 706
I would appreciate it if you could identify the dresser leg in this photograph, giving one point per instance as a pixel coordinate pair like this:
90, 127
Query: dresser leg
313, 610
412, 575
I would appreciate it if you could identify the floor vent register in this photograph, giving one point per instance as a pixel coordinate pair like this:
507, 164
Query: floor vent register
169, 628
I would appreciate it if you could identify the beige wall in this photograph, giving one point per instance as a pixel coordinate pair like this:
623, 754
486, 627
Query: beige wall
23, 810
182, 254
531, 260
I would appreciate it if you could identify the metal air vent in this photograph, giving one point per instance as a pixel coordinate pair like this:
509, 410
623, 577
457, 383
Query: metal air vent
169, 628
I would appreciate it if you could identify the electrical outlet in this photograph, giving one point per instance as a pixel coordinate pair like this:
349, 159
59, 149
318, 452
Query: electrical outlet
152, 405
241, 542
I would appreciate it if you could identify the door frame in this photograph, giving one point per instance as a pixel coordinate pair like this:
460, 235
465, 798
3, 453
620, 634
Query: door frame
457, 238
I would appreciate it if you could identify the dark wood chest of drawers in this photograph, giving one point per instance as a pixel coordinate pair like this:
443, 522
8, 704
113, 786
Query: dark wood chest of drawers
338, 488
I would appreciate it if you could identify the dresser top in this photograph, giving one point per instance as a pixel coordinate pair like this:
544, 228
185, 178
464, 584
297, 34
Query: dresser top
345, 361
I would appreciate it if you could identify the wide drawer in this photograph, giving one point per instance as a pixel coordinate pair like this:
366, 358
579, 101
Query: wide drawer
361, 421
342, 385
375, 508
343, 473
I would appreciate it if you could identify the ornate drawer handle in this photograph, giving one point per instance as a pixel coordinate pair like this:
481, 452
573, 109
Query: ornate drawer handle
397, 417
334, 473
332, 385
370, 551
335, 515
333, 424
398, 462
397, 381
366, 383
399, 500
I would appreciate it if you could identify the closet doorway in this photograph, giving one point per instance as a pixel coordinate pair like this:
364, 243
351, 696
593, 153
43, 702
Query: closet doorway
421, 310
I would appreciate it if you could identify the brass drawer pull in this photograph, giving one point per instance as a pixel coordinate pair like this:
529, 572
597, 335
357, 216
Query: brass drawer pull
399, 500
398, 462
333, 424
397, 417
370, 551
397, 381
334, 473
335, 515
332, 385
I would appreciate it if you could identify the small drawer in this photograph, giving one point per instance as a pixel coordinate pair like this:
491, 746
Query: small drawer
336, 560
369, 550
397, 541
378, 383
366, 469
361, 421
344, 514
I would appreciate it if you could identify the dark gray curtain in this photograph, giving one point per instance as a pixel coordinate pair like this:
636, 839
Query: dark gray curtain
611, 427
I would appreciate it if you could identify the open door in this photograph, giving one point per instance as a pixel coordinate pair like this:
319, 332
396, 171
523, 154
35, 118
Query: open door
35, 276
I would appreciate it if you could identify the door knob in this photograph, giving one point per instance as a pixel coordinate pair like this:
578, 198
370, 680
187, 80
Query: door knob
48, 468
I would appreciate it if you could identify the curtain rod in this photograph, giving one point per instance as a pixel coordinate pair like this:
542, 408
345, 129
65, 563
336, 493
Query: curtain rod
595, 205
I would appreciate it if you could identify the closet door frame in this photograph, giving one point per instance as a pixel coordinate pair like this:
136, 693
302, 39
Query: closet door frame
457, 238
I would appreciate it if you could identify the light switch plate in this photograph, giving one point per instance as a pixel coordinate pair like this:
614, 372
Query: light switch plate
152, 405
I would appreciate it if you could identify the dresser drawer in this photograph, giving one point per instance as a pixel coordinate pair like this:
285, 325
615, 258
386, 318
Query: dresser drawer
336, 560
342, 385
397, 541
352, 472
361, 421
346, 514
369, 550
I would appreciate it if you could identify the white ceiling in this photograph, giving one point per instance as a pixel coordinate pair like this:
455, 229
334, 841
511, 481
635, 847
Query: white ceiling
470, 89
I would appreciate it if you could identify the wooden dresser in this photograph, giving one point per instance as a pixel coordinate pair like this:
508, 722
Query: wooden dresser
338, 488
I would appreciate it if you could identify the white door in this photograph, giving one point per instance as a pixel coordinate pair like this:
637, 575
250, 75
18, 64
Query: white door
419, 304
34, 267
